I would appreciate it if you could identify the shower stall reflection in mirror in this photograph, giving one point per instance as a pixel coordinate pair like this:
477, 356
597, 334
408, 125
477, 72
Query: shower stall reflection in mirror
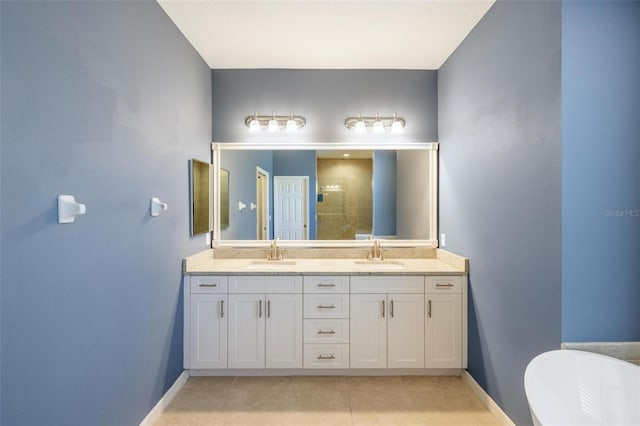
264, 225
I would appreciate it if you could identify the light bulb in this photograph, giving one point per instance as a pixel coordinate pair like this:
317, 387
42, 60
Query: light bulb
360, 128
273, 127
378, 128
254, 126
292, 126
396, 128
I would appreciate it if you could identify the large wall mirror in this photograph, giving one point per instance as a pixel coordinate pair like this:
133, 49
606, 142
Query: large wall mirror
325, 194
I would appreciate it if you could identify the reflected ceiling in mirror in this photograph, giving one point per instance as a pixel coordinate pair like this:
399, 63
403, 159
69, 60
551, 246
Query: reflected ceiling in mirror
333, 194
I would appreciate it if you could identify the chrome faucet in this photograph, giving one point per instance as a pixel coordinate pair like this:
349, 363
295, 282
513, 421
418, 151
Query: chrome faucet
376, 251
275, 253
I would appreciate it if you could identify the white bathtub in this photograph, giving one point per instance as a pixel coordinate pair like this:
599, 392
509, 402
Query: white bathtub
579, 388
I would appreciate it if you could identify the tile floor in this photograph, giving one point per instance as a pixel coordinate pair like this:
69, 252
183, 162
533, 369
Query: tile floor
331, 401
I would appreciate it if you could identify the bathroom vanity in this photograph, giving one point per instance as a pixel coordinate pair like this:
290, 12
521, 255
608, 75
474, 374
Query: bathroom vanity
319, 306
325, 311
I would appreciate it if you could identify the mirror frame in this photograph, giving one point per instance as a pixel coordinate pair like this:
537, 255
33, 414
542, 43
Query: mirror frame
218, 147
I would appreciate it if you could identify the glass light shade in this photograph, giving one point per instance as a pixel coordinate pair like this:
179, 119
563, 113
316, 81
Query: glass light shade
272, 127
360, 128
254, 126
396, 128
292, 126
378, 128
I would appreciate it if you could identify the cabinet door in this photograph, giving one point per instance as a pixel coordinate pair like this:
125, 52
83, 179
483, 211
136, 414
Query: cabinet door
405, 331
443, 323
284, 331
246, 330
208, 342
368, 345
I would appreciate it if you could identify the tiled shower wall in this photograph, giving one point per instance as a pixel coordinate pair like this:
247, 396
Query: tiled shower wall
346, 191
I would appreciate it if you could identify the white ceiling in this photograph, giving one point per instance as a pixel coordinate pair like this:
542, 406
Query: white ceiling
336, 34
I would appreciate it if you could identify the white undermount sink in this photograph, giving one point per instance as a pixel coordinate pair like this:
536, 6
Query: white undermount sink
381, 265
271, 264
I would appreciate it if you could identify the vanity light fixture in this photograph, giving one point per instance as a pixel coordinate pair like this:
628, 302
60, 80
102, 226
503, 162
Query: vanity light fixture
378, 124
274, 123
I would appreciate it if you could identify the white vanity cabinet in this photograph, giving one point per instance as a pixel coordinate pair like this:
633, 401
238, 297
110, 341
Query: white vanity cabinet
387, 327
207, 341
265, 329
326, 322
285, 322
443, 322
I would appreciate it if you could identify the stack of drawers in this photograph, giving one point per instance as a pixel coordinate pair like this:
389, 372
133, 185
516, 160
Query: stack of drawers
326, 322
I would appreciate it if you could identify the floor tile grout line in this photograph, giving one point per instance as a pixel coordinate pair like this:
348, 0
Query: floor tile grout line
350, 408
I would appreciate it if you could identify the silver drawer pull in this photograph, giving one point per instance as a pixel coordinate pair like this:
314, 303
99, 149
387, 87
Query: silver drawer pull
444, 285
326, 357
222, 309
326, 307
326, 285
326, 332
208, 285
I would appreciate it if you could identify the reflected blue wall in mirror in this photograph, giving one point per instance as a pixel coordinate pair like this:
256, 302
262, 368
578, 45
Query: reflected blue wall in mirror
242, 188
384, 193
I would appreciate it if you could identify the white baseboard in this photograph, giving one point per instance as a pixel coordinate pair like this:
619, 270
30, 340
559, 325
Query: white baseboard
327, 372
484, 397
166, 399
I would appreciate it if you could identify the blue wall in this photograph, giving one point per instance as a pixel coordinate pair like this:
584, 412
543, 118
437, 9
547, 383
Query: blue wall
325, 98
298, 163
600, 171
242, 188
499, 132
384, 193
106, 101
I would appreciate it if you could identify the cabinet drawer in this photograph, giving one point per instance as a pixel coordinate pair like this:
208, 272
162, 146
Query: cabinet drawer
326, 356
265, 284
208, 284
444, 284
387, 284
329, 284
326, 306
326, 331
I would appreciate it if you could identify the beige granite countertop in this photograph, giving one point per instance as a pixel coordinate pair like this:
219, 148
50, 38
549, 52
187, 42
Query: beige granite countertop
439, 262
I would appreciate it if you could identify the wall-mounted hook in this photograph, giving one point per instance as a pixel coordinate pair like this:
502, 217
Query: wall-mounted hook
68, 209
254, 206
241, 205
157, 206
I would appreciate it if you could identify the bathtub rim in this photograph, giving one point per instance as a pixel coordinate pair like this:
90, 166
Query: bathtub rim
528, 374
